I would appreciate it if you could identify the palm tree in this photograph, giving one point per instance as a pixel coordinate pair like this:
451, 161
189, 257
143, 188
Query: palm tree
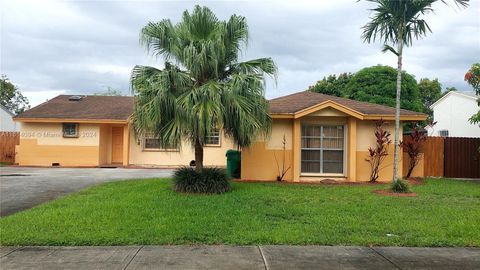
203, 86
398, 22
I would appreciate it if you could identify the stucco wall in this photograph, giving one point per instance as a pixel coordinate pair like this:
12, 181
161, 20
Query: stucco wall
258, 160
418, 170
42, 144
105, 144
213, 155
366, 139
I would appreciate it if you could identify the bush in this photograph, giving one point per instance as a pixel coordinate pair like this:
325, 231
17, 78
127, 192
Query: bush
401, 186
208, 181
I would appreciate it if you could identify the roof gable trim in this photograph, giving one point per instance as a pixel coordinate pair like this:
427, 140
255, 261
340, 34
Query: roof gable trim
329, 104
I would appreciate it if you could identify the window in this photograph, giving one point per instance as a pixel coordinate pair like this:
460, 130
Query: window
443, 133
213, 138
70, 130
322, 149
151, 143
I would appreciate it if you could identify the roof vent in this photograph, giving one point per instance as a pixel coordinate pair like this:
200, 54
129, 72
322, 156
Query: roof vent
74, 98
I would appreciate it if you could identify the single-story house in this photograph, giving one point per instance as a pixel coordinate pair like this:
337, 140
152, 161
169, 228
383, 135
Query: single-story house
452, 122
317, 136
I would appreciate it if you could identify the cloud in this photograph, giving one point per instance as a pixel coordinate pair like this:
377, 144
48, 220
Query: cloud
53, 47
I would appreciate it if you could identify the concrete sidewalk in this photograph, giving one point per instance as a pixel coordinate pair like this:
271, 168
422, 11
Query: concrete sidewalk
228, 257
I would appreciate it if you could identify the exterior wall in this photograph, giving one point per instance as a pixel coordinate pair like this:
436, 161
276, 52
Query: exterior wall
418, 171
452, 114
213, 155
42, 144
258, 161
6, 121
105, 144
366, 139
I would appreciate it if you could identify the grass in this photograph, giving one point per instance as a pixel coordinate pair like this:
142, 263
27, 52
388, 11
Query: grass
445, 213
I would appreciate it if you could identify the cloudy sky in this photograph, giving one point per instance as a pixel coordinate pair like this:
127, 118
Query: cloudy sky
81, 47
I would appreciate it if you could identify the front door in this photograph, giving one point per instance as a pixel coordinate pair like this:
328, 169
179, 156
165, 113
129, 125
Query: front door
117, 144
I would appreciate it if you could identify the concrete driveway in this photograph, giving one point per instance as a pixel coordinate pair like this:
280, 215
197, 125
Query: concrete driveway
22, 187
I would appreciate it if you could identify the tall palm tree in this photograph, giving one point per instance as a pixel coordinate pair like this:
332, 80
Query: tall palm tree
398, 22
203, 86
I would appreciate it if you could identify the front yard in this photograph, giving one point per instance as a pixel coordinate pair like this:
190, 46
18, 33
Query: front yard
445, 213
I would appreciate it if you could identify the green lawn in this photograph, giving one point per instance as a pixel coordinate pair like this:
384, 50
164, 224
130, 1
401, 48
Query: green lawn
445, 213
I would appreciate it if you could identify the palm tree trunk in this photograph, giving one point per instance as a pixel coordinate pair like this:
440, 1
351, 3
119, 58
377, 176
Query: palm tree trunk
198, 156
397, 111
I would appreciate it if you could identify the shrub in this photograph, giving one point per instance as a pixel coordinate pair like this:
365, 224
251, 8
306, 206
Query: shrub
208, 181
378, 154
401, 186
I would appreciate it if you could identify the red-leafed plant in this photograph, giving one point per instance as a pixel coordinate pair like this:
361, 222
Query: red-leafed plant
413, 146
378, 154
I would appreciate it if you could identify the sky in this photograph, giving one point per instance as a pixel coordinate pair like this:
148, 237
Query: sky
49, 48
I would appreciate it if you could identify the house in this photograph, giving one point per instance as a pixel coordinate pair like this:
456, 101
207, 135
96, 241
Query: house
451, 112
325, 137
6, 120
95, 131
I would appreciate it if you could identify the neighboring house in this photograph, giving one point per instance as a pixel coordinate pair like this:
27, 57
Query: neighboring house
326, 137
451, 112
6, 120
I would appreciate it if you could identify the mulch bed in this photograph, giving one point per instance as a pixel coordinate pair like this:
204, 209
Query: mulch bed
384, 192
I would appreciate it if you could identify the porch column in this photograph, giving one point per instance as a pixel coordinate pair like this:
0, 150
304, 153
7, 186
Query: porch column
296, 149
126, 144
352, 149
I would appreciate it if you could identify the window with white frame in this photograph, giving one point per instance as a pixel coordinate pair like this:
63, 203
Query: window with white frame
70, 130
152, 143
323, 149
213, 138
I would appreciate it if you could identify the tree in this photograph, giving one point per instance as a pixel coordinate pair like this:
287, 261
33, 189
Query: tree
398, 23
376, 84
473, 78
430, 91
332, 85
203, 87
109, 92
11, 98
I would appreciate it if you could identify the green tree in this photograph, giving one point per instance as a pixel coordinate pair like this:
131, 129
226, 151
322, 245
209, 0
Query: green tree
430, 91
332, 85
203, 86
398, 22
376, 84
11, 98
473, 78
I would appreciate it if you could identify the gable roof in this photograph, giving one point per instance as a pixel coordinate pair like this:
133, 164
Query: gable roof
88, 108
468, 95
298, 104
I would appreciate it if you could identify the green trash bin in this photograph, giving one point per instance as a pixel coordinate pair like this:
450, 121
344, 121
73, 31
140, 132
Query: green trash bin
233, 163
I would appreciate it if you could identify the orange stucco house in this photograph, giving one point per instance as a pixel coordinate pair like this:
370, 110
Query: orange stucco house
325, 137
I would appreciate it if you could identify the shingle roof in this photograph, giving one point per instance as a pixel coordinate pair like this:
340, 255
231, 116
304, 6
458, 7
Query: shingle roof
296, 102
87, 108
121, 107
